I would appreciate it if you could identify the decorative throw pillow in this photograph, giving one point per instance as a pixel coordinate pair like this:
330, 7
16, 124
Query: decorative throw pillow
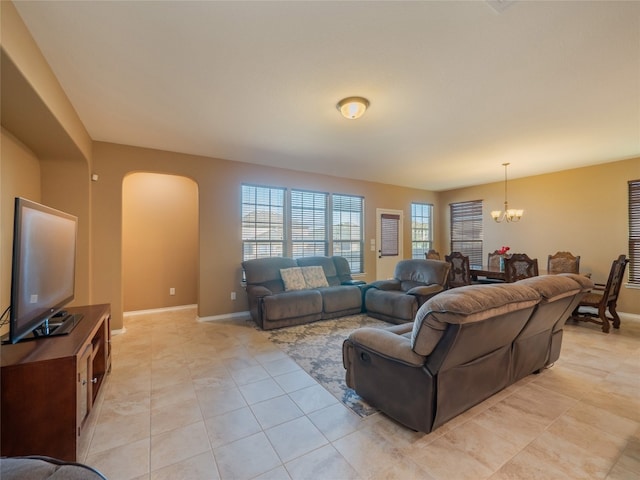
314, 277
293, 278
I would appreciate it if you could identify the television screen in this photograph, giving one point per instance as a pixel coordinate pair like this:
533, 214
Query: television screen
43, 268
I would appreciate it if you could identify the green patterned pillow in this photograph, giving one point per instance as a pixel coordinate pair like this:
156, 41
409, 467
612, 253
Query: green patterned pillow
293, 278
314, 277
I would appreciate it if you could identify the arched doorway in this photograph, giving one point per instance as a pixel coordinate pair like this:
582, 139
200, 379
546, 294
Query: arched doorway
159, 241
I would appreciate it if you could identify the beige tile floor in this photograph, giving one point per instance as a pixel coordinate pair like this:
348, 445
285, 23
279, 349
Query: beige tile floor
217, 400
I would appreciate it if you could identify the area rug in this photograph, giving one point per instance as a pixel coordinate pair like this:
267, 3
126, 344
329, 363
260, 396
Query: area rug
317, 348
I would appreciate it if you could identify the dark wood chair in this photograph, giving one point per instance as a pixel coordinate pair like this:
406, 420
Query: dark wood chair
493, 263
432, 255
460, 271
519, 266
603, 298
563, 262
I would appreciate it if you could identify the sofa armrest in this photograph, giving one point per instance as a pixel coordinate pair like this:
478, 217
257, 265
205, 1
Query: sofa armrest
258, 291
353, 282
426, 290
392, 284
387, 344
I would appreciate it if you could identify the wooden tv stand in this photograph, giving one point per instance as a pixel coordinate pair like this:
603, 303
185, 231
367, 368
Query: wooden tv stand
49, 386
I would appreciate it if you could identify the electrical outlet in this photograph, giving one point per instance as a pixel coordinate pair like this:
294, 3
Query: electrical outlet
172, 291
233, 295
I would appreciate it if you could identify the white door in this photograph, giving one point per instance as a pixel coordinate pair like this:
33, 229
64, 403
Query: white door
388, 241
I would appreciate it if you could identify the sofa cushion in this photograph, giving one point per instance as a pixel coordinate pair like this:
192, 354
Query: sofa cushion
472, 303
327, 265
391, 304
314, 277
340, 298
296, 303
266, 272
552, 287
293, 279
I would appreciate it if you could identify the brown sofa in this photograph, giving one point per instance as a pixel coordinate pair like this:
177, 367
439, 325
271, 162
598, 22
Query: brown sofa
465, 345
273, 306
414, 281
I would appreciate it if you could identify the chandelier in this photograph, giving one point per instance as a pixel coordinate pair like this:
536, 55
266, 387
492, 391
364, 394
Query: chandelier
509, 214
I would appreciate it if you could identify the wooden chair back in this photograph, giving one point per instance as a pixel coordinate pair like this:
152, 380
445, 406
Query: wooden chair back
563, 262
432, 255
519, 266
614, 282
460, 271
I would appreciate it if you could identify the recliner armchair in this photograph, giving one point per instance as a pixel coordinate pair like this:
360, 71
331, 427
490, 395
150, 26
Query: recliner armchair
415, 281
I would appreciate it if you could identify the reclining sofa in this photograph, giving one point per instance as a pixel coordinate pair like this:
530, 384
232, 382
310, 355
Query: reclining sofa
283, 291
465, 345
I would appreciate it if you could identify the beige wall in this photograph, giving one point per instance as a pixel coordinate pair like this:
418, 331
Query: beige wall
220, 248
159, 241
19, 177
43, 141
583, 211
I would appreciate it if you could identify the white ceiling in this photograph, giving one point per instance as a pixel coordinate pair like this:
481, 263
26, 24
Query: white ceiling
456, 88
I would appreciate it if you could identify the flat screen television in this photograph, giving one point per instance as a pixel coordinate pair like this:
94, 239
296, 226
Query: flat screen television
43, 271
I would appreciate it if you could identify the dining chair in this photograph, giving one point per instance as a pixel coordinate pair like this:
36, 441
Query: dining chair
563, 262
432, 255
493, 263
603, 297
460, 271
519, 266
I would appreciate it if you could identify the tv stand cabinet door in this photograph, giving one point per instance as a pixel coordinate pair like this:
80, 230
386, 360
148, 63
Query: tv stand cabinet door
85, 396
37, 416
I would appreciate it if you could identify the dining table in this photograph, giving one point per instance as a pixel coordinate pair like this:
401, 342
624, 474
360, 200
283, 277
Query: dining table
488, 271
492, 273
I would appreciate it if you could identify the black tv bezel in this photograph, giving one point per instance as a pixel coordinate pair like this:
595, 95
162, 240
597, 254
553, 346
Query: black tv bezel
18, 331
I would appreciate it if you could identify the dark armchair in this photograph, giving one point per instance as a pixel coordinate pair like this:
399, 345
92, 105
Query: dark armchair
415, 281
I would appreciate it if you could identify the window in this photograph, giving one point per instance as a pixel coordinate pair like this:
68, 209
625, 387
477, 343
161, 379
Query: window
308, 224
634, 232
279, 223
348, 231
466, 230
262, 222
421, 229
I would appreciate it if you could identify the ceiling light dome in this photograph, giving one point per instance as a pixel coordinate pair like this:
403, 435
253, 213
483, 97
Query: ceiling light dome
352, 107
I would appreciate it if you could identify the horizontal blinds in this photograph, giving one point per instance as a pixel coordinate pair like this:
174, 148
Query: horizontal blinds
634, 232
348, 231
389, 235
466, 230
262, 221
308, 223
421, 232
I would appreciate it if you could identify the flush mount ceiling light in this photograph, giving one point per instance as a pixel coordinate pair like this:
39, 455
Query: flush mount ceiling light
352, 107
509, 214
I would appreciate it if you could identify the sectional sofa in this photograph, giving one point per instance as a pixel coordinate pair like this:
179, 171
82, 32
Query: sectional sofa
465, 345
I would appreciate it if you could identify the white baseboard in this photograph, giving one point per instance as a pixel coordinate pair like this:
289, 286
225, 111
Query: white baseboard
158, 310
629, 316
226, 316
118, 331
